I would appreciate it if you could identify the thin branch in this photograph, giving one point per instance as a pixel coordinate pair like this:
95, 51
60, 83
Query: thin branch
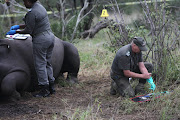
54, 14
79, 18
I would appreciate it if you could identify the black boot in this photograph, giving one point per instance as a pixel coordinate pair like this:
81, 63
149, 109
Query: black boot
112, 91
113, 88
44, 91
52, 88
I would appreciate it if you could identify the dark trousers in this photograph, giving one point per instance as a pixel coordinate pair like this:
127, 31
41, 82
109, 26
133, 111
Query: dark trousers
43, 45
121, 84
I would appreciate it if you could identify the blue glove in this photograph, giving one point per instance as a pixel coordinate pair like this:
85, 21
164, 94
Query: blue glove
11, 32
150, 81
15, 27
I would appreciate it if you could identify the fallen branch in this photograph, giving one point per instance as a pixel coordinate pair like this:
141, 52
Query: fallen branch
96, 28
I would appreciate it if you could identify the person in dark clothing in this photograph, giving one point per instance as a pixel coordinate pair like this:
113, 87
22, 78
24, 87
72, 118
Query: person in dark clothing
38, 26
128, 63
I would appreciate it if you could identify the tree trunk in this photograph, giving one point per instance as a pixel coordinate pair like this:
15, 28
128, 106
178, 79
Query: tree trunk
88, 20
95, 29
75, 4
9, 9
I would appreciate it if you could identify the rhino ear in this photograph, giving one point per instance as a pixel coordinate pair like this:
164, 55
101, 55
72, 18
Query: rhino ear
4, 49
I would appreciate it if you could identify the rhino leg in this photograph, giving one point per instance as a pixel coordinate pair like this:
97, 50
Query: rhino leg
72, 78
13, 82
71, 62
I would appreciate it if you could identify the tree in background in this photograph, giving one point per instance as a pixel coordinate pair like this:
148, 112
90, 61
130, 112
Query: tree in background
64, 12
89, 18
161, 32
69, 15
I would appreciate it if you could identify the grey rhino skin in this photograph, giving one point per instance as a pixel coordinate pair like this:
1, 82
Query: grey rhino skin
17, 71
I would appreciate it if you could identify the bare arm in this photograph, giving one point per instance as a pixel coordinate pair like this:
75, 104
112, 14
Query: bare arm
144, 75
128, 73
142, 68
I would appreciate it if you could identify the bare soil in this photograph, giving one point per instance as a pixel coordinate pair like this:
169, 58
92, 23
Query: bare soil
91, 94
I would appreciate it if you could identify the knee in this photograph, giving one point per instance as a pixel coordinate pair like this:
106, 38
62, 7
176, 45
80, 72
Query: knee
129, 92
7, 88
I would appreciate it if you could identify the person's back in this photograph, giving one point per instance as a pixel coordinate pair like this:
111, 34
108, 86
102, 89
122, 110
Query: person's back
117, 65
37, 20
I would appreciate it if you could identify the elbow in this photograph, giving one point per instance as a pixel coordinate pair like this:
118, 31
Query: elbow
127, 73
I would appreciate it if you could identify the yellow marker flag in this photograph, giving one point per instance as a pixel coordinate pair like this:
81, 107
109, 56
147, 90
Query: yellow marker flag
104, 13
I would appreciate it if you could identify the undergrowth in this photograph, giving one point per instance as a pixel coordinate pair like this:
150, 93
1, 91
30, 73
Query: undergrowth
96, 61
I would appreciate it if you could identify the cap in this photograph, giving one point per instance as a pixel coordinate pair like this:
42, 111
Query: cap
139, 41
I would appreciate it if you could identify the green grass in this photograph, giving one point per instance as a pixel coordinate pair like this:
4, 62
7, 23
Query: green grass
92, 53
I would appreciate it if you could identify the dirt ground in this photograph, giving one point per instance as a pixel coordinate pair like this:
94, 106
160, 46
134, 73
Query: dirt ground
91, 94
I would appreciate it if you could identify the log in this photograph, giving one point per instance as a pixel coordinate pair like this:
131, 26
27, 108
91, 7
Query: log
96, 28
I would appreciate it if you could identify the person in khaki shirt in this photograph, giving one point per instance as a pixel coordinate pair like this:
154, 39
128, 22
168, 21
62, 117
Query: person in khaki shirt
128, 63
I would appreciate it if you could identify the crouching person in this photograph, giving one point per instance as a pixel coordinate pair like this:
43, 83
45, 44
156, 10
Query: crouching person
128, 63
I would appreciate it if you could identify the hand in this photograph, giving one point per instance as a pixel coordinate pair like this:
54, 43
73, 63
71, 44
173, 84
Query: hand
15, 27
18, 31
150, 81
11, 32
146, 75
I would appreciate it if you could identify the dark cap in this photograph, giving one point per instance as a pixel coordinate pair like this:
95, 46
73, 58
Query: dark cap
139, 41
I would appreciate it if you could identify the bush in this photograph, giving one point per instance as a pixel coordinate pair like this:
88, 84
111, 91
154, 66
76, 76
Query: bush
57, 25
